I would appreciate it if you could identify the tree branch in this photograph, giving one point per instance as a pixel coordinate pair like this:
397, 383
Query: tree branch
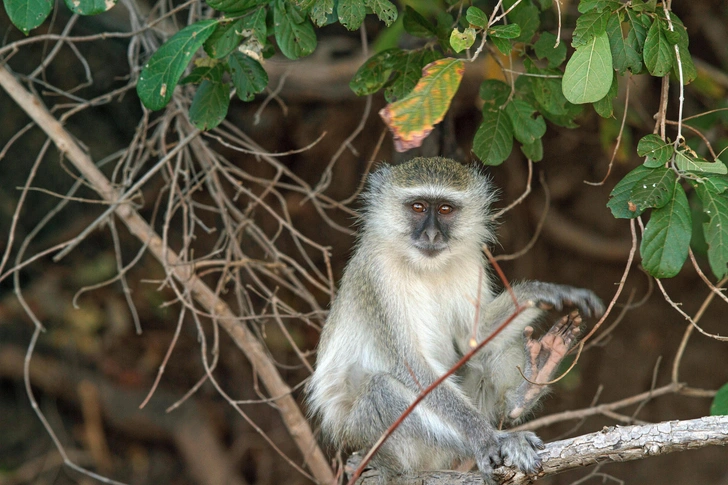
611, 444
293, 418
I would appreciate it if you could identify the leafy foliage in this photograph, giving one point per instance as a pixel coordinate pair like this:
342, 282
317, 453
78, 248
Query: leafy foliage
611, 39
719, 407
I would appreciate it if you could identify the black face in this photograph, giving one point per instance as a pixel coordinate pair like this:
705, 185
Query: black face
431, 221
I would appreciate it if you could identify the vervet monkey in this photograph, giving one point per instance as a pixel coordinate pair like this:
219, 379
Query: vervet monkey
406, 312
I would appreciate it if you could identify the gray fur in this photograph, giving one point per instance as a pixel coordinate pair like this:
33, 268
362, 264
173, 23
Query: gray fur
403, 318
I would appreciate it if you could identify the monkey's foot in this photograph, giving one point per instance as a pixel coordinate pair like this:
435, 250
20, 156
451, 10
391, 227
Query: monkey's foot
544, 357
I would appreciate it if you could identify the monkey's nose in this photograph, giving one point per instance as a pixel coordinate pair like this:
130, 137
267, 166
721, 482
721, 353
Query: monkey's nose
432, 234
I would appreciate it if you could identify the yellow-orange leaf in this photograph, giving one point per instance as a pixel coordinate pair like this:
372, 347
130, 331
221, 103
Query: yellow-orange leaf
413, 117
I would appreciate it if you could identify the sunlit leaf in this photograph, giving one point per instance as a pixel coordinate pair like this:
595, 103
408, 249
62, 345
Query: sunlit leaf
90, 7
413, 117
588, 74
462, 40
161, 74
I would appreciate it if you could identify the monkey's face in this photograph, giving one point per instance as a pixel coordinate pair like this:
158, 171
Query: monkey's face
431, 221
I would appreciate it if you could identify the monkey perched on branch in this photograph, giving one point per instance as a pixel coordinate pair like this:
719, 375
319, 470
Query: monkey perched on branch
414, 298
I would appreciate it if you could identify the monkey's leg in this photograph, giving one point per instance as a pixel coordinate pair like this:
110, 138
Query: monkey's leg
422, 441
543, 358
442, 427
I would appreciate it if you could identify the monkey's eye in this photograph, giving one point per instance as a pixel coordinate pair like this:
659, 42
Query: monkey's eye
419, 207
445, 209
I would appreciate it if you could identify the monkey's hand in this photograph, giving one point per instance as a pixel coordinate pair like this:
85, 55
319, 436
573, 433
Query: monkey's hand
544, 356
513, 448
550, 295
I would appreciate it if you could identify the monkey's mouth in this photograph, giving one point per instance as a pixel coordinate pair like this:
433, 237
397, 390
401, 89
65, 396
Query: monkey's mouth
431, 250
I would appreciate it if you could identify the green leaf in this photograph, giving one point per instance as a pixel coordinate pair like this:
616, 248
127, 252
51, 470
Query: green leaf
28, 14
462, 40
588, 26
533, 151
588, 74
619, 202
256, 23
644, 6
384, 10
719, 406
686, 161
689, 72
640, 24
605, 106
624, 55
503, 45
526, 129
666, 239
658, 51
510, 31
89, 7
476, 17
413, 117
161, 74
599, 5
409, 72
210, 105
249, 77
657, 151
321, 11
526, 15
417, 25
545, 49
715, 206
232, 5
494, 93
493, 141
374, 73
294, 39
351, 13
212, 71
653, 191
224, 39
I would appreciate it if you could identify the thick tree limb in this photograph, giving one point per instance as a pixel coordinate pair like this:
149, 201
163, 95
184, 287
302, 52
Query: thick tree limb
612, 444
293, 418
